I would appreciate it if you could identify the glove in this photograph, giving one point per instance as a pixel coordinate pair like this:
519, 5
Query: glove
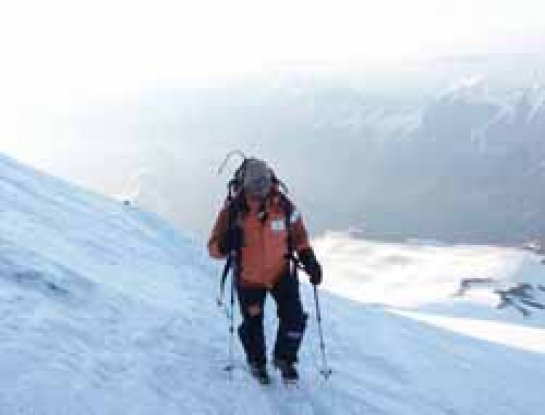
232, 239
312, 266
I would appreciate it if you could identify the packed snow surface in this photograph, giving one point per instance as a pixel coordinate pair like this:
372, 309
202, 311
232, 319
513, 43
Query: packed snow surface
106, 309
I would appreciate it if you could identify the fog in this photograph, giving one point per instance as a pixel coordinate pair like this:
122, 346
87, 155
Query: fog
423, 119
450, 149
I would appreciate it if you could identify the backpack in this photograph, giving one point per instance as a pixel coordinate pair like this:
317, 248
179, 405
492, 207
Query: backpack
235, 201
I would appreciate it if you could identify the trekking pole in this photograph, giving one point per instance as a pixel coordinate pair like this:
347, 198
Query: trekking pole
230, 366
325, 371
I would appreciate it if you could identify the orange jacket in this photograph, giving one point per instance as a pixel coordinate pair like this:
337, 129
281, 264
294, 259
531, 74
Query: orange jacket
263, 254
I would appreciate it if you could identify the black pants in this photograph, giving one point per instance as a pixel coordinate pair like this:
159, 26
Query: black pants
292, 320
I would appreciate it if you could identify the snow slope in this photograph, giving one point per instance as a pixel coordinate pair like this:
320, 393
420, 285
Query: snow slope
106, 309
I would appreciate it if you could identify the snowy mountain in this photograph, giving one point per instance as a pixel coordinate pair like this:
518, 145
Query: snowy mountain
462, 164
457, 141
106, 309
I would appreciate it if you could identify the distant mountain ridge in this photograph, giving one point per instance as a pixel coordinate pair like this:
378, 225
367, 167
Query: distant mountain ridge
450, 149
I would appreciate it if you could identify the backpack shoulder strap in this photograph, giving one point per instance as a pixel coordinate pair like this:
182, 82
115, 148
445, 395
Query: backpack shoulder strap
235, 208
288, 208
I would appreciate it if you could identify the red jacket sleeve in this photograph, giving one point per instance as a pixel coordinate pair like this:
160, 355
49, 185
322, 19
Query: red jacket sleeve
218, 232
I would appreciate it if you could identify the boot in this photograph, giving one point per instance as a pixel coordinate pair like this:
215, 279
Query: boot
287, 370
259, 371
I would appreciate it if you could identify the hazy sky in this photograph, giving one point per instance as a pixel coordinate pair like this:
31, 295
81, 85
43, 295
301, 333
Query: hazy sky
63, 59
62, 54
58, 50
